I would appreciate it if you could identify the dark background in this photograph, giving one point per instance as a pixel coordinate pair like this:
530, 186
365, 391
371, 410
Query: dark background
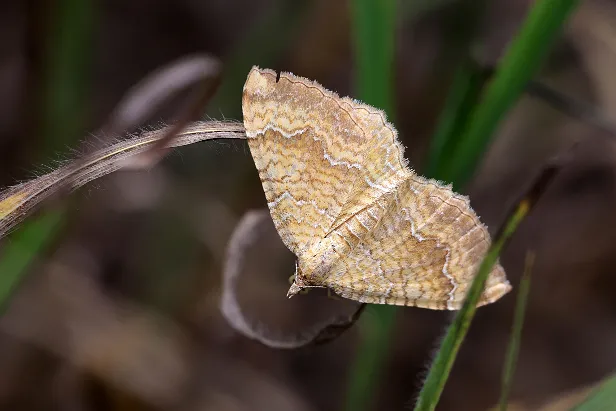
122, 312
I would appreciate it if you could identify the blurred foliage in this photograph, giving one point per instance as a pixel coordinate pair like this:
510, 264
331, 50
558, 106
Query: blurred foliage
521, 61
68, 64
63, 109
515, 339
601, 398
374, 29
25, 246
261, 46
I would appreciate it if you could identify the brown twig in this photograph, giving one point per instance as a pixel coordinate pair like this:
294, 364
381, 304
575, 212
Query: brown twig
580, 110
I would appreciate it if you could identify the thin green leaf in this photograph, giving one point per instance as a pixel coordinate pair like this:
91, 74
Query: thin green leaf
376, 330
516, 331
68, 60
463, 95
374, 27
439, 372
23, 249
521, 61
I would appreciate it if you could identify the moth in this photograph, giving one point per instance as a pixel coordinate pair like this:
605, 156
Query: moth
346, 203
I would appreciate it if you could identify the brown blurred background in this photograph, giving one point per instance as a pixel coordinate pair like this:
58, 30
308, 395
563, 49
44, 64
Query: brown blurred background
122, 313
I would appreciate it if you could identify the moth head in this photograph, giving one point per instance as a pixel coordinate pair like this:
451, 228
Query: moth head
312, 267
298, 283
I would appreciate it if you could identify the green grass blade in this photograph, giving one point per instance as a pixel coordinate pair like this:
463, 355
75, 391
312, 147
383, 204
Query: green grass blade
23, 248
601, 398
458, 162
66, 79
521, 61
376, 328
517, 67
516, 332
441, 367
463, 95
374, 25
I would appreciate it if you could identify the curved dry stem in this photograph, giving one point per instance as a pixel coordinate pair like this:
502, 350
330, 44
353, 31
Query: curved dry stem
17, 202
246, 234
155, 89
202, 72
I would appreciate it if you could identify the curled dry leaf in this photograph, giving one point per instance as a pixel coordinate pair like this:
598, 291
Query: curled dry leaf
203, 71
154, 90
254, 229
